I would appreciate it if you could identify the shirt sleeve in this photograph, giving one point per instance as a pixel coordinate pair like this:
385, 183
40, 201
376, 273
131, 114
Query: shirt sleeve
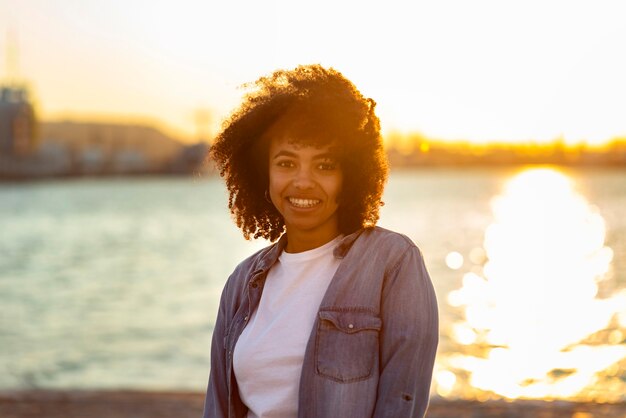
409, 338
216, 401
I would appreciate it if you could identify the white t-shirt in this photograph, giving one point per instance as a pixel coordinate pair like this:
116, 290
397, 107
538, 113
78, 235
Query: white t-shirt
269, 353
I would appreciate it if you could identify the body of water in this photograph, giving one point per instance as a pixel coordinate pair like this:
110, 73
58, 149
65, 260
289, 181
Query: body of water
115, 283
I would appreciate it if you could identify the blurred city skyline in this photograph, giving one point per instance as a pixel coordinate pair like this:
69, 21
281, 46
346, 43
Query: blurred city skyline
482, 72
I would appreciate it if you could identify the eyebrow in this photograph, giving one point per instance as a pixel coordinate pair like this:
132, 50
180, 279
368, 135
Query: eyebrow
283, 153
324, 155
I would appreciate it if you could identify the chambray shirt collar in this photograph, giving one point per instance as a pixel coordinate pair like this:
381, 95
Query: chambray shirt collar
346, 243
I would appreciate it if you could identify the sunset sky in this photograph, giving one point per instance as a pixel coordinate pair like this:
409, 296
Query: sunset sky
450, 69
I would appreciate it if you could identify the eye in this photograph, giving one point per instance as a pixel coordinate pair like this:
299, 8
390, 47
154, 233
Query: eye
284, 163
327, 165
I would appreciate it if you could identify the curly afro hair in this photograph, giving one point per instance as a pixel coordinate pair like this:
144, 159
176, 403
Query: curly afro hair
317, 107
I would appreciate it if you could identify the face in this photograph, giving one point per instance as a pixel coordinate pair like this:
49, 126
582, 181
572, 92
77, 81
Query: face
304, 184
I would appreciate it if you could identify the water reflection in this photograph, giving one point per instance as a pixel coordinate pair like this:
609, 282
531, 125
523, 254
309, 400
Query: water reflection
535, 324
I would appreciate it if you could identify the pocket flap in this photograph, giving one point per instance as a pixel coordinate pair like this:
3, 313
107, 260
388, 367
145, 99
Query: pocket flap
351, 322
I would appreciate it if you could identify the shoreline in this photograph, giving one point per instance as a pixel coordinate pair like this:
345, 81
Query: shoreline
142, 404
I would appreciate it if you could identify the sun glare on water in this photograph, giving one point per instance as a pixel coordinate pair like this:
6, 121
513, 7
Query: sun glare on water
536, 322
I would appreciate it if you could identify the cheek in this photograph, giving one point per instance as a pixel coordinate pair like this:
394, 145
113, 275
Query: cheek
276, 182
334, 187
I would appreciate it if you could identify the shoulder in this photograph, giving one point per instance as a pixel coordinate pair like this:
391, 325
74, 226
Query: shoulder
254, 259
385, 246
246, 268
405, 268
386, 240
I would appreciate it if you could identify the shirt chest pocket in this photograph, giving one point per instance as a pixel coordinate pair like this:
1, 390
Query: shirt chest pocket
346, 346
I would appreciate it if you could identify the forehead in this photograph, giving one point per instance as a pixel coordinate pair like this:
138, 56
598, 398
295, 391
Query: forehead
296, 146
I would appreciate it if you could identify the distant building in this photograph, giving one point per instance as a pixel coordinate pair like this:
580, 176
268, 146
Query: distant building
17, 122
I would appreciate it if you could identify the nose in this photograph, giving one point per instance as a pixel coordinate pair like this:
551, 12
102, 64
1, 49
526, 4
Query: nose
303, 179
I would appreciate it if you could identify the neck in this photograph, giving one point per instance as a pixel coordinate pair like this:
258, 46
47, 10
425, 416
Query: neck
297, 242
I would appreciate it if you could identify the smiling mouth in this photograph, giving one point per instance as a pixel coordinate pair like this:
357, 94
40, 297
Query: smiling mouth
303, 203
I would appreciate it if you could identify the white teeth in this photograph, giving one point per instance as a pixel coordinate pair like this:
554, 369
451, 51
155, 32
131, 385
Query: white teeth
303, 203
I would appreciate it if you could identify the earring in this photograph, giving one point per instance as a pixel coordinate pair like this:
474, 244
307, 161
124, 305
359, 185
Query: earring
267, 196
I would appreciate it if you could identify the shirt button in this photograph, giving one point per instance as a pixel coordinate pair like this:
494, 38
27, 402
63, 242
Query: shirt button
245, 318
350, 326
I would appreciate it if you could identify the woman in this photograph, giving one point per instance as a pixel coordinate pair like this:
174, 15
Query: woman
338, 318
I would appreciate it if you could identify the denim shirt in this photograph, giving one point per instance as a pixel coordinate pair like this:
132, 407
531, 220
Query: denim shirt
372, 347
